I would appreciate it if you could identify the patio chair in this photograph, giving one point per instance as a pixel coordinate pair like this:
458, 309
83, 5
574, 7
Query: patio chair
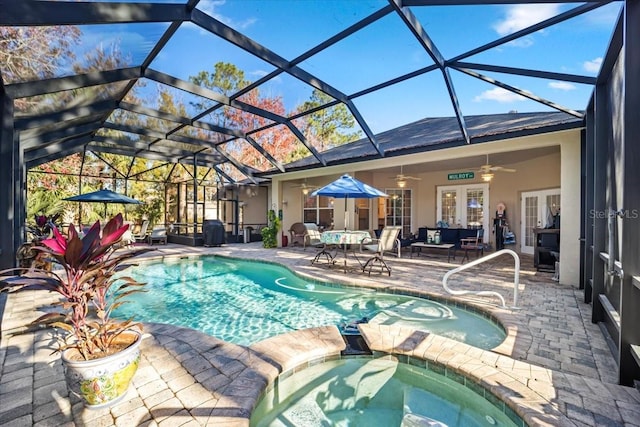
386, 243
127, 238
312, 237
158, 234
473, 244
141, 235
297, 232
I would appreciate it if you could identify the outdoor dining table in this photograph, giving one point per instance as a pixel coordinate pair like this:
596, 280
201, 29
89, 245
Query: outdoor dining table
347, 240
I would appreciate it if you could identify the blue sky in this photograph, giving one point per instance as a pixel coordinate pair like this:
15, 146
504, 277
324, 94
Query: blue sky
385, 50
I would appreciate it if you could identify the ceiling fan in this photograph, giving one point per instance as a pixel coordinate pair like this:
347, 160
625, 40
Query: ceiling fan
401, 179
487, 170
306, 188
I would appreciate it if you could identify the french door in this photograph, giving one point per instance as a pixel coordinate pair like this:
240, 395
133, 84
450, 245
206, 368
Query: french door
464, 206
537, 210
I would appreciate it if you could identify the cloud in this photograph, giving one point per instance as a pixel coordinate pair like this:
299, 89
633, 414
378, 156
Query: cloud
499, 95
523, 16
209, 7
592, 66
562, 86
521, 42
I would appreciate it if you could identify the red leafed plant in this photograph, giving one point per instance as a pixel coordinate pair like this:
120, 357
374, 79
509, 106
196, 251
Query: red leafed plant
87, 285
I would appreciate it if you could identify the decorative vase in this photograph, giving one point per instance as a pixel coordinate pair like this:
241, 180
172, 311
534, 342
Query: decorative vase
104, 381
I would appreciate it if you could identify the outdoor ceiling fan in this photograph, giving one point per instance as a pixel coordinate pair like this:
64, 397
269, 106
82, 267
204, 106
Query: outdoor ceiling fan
401, 179
306, 188
486, 170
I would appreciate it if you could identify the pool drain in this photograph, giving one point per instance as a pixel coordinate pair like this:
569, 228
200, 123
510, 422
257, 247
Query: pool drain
490, 420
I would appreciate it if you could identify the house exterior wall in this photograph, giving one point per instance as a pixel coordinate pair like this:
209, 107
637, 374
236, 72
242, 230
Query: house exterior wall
556, 170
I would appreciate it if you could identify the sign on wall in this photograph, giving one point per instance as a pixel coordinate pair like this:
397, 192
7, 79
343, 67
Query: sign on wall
460, 175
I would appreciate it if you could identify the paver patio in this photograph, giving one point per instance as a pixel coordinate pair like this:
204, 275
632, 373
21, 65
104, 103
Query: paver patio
553, 353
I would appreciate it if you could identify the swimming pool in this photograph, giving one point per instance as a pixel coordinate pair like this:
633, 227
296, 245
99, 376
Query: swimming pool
244, 302
376, 392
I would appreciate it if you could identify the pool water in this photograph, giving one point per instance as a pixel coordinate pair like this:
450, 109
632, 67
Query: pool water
244, 302
373, 392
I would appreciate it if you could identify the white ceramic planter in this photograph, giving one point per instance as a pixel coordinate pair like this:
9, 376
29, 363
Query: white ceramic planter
102, 382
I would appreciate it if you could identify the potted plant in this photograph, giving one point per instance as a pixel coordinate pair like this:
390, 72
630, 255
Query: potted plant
42, 228
100, 354
270, 232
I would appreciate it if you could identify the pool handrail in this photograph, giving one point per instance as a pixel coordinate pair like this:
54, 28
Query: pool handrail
516, 280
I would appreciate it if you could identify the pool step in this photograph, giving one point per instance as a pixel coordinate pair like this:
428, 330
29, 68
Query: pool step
355, 345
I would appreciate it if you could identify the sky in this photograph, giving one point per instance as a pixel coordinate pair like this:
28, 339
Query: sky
384, 50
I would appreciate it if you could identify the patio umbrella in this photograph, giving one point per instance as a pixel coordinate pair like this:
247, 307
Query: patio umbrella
348, 187
104, 196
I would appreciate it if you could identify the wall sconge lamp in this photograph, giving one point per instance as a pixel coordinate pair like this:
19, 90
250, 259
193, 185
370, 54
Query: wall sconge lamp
487, 177
401, 183
305, 191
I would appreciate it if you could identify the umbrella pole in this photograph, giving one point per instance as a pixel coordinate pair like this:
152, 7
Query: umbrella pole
346, 215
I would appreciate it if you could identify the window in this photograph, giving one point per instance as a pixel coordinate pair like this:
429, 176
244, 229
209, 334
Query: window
318, 210
398, 209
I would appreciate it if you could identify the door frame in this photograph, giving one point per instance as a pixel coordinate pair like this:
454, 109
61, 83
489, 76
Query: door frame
542, 208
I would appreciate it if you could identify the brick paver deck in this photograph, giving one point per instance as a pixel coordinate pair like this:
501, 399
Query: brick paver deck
554, 358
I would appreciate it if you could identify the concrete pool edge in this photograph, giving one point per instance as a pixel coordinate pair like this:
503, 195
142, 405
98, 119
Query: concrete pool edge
239, 376
503, 318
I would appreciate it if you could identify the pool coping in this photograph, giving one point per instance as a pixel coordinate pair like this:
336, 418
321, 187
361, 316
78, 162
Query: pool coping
500, 316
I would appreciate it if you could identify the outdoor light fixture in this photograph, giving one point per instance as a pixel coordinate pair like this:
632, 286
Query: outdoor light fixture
305, 191
487, 177
401, 183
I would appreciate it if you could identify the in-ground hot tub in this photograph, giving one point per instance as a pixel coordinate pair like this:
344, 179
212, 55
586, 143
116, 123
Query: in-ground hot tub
371, 392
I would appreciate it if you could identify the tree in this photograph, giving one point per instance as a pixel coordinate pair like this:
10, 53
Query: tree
225, 79
33, 53
327, 127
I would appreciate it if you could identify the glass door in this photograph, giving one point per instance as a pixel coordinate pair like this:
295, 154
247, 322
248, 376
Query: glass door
465, 206
537, 210
362, 213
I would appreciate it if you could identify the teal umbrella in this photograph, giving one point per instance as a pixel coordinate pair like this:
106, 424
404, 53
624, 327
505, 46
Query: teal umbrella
104, 196
348, 187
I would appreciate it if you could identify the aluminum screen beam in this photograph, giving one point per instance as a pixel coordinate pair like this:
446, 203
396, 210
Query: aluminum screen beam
100, 107
35, 13
527, 72
42, 87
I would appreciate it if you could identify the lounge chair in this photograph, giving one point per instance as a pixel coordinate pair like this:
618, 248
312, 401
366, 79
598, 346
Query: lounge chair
158, 234
387, 242
141, 236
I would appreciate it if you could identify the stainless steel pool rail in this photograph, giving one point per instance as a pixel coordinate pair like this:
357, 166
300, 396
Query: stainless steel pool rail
516, 279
